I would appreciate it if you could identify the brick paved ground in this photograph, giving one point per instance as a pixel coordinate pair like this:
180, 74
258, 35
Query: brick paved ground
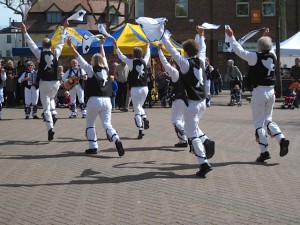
154, 183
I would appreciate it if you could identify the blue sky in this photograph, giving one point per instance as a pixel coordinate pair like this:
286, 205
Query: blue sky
5, 14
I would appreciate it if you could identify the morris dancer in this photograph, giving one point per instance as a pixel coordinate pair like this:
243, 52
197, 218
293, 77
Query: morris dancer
98, 92
192, 73
47, 75
2, 84
137, 79
31, 90
78, 89
261, 76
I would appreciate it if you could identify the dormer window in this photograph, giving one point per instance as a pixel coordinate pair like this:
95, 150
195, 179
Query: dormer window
54, 14
53, 17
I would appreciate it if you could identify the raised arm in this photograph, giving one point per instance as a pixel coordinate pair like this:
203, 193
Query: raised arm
33, 47
60, 45
202, 46
123, 57
147, 55
87, 67
102, 52
172, 72
250, 57
182, 62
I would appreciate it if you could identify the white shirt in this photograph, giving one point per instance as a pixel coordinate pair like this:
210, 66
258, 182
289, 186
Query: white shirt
66, 74
37, 52
129, 62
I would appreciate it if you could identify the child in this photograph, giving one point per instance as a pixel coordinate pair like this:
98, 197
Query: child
66, 100
114, 87
294, 90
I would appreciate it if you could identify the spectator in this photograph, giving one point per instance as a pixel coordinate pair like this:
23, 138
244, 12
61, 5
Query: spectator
121, 74
114, 88
150, 82
216, 79
11, 84
233, 74
295, 70
31, 91
61, 90
20, 89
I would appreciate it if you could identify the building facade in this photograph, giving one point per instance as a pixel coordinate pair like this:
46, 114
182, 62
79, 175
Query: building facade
242, 15
10, 37
45, 16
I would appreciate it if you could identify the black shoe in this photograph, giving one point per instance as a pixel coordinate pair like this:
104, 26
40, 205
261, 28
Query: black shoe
91, 151
204, 169
284, 147
120, 148
27, 117
263, 156
72, 117
50, 134
54, 119
35, 117
146, 124
84, 116
209, 148
181, 145
140, 136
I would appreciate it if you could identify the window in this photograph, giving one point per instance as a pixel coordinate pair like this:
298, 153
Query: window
139, 8
53, 17
242, 8
8, 39
114, 19
181, 8
268, 7
8, 53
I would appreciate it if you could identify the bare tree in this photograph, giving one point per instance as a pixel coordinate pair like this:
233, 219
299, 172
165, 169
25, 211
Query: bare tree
108, 19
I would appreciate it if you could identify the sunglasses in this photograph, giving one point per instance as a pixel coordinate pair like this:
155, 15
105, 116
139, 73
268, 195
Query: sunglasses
30, 65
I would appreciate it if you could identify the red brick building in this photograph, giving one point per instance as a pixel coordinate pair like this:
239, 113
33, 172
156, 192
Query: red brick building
242, 15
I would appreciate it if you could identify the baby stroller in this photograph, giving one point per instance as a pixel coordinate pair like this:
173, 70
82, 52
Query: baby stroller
236, 95
289, 100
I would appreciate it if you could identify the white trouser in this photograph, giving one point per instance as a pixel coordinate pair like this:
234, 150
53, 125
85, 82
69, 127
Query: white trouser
99, 106
138, 96
207, 87
31, 96
48, 91
177, 120
1, 95
263, 99
77, 90
192, 116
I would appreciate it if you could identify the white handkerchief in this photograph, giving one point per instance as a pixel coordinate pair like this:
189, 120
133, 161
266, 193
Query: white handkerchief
210, 26
78, 15
153, 28
25, 8
103, 31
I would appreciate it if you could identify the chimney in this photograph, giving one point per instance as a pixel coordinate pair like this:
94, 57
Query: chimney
9, 21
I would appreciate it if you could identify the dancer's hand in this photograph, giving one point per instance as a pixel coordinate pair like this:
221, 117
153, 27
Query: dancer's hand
229, 32
23, 28
159, 46
200, 30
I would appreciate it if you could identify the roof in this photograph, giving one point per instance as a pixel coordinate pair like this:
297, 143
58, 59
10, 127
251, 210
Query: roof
98, 6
